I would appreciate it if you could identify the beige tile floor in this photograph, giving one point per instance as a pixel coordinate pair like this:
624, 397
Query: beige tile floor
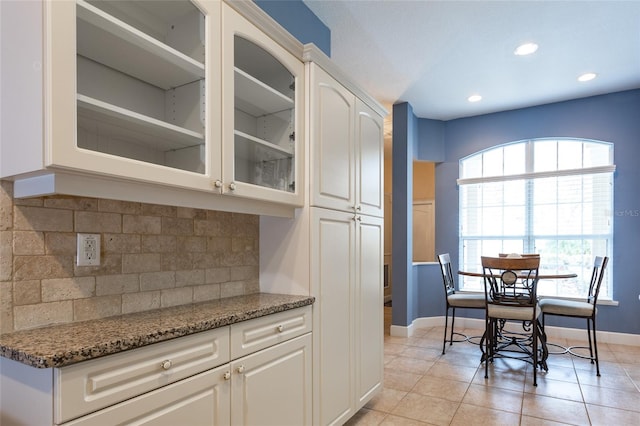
424, 387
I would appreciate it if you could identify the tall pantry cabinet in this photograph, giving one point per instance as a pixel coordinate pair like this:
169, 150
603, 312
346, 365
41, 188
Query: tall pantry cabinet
335, 242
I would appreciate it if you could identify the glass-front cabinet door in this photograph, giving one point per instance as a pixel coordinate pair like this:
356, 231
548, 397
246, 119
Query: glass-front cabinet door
144, 79
263, 86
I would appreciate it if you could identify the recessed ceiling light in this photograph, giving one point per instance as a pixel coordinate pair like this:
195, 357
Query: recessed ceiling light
474, 98
525, 49
587, 76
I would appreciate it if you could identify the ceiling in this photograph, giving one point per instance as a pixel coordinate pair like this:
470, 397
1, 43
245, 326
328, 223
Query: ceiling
435, 54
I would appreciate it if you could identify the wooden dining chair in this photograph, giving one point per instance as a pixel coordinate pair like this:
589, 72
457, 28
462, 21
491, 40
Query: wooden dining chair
581, 309
510, 293
455, 300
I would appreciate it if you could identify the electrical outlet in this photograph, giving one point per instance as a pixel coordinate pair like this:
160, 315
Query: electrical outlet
88, 250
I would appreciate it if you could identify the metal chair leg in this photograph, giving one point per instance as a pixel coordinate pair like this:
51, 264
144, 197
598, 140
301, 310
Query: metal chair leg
595, 347
453, 321
446, 320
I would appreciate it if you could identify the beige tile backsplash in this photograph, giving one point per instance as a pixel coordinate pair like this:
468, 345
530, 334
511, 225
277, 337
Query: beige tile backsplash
152, 256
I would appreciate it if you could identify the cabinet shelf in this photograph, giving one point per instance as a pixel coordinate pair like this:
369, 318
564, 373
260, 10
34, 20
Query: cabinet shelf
130, 125
270, 151
107, 40
256, 98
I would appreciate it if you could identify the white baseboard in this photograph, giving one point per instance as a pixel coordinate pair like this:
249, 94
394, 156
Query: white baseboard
552, 332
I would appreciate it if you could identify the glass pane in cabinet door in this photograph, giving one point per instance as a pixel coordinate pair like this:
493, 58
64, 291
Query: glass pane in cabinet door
264, 114
141, 81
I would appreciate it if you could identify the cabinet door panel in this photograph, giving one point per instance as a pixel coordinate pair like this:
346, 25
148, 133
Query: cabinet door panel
332, 140
369, 143
273, 386
263, 118
370, 311
333, 285
127, 126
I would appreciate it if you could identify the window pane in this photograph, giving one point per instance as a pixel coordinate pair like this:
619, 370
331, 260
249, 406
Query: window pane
545, 220
569, 155
514, 159
492, 162
597, 154
471, 167
545, 156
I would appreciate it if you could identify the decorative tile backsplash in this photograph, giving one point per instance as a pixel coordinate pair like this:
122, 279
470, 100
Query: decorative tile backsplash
152, 256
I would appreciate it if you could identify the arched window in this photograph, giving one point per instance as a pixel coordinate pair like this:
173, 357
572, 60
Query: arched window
548, 196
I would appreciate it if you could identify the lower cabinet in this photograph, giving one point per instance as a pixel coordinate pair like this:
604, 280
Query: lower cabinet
269, 387
346, 278
255, 372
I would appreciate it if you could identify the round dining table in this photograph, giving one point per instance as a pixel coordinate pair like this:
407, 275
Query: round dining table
540, 276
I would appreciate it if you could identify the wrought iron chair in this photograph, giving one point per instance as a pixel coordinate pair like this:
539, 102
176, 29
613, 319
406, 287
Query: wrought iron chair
510, 294
455, 300
579, 309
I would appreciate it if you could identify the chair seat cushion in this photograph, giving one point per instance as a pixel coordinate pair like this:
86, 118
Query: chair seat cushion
466, 300
520, 313
572, 308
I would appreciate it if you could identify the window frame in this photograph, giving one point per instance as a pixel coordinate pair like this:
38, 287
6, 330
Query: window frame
474, 166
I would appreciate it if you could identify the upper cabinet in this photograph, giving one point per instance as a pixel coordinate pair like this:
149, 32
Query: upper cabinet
176, 94
347, 148
263, 99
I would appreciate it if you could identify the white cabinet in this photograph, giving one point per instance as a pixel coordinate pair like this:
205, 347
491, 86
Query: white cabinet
181, 94
273, 386
263, 98
271, 383
261, 376
346, 278
346, 138
333, 248
347, 148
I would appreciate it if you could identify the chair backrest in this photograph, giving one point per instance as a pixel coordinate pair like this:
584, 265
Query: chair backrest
599, 265
511, 280
447, 274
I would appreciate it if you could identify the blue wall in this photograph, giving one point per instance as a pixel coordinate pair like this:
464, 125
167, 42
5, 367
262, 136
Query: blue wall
300, 21
613, 118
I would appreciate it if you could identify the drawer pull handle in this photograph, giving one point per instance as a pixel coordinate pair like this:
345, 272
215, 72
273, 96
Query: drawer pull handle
240, 369
166, 364
280, 328
227, 375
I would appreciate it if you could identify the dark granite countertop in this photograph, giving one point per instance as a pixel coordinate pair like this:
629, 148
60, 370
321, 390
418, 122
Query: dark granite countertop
60, 345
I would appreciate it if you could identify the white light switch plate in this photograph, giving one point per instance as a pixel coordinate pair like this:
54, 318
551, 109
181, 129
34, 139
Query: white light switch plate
88, 250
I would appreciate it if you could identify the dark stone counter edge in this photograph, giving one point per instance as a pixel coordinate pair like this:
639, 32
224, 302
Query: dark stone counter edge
72, 356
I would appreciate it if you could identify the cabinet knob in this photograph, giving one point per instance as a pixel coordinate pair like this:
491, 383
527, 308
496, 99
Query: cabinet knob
227, 375
166, 364
232, 186
240, 369
280, 328
217, 183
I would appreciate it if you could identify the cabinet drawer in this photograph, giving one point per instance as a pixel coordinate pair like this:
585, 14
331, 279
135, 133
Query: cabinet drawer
92, 385
199, 400
250, 336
